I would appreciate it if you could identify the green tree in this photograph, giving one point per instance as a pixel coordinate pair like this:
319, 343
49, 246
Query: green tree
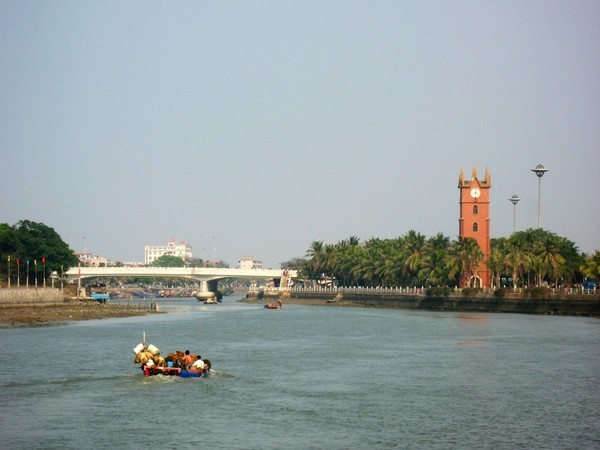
590, 266
293, 264
414, 246
464, 258
551, 259
168, 261
497, 259
517, 260
434, 260
34, 242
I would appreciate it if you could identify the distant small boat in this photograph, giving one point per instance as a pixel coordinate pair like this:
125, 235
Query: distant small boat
274, 305
99, 297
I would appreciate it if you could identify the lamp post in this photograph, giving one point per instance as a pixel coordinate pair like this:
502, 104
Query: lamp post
515, 199
539, 170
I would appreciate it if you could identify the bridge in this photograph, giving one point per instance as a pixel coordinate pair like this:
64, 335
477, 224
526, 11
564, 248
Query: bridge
208, 277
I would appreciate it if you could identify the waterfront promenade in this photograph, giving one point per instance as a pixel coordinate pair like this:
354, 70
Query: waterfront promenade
557, 302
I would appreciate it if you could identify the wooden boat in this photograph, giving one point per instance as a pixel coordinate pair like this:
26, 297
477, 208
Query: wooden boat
273, 306
173, 371
154, 364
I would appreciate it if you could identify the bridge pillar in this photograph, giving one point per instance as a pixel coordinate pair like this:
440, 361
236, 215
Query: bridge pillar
205, 290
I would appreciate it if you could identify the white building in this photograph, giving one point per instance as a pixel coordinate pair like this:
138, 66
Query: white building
182, 249
87, 259
248, 262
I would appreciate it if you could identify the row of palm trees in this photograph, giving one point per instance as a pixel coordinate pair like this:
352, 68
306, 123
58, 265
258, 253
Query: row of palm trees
531, 257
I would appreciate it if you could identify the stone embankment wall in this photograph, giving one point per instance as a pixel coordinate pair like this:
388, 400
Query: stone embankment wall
28, 296
572, 305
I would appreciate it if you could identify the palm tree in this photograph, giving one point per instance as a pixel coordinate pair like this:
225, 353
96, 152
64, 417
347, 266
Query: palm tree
590, 267
434, 260
464, 258
414, 245
497, 259
550, 258
517, 260
312, 267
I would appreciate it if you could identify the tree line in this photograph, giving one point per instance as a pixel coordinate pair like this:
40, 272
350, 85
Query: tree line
532, 257
31, 251
527, 258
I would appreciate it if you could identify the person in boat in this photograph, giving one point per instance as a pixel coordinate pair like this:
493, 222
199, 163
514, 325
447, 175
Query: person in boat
188, 360
198, 365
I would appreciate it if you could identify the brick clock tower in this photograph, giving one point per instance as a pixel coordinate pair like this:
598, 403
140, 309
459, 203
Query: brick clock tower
474, 222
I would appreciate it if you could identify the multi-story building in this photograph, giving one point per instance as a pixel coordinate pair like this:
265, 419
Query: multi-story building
181, 249
248, 262
87, 259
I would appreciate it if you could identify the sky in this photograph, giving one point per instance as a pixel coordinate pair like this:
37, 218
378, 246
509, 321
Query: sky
258, 127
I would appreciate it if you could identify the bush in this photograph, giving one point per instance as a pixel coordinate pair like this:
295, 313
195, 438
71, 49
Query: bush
437, 291
500, 292
537, 292
470, 292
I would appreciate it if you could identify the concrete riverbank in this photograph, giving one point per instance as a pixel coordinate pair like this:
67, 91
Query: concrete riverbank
572, 305
36, 306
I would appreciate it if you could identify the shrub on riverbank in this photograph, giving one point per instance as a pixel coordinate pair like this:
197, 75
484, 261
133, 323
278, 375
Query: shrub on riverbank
537, 292
471, 292
437, 291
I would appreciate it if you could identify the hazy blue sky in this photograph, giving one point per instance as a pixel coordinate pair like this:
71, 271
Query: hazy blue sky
261, 126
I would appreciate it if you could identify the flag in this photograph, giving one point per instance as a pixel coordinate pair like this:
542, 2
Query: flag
27, 262
9, 259
43, 260
35, 262
18, 261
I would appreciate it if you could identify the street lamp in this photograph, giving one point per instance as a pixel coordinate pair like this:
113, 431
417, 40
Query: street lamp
84, 251
539, 170
515, 199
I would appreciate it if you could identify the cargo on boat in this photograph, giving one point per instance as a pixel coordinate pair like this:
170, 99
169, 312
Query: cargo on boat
178, 363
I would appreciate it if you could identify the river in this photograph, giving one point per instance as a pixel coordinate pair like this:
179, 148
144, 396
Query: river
306, 377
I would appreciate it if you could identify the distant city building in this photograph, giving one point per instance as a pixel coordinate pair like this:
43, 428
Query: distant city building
181, 249
132, 264
248, 262
87, 259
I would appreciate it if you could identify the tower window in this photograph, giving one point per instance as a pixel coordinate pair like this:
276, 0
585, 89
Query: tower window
475, 209
475, 227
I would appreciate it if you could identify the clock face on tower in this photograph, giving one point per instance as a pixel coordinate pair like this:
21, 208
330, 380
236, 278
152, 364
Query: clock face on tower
475, 193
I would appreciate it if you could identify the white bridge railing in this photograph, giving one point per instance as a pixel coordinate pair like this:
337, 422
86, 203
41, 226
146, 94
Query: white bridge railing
414, 290
357, 290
